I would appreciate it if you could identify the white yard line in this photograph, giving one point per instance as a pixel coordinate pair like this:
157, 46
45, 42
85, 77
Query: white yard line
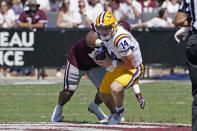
83, 127
36, 82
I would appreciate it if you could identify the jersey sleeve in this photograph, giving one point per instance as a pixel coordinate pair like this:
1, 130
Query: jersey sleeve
184, 7
93, 27
125, 25
22, 17
43, 18
124, 44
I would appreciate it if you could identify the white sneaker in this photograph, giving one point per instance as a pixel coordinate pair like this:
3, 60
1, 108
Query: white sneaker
97, 111
57, 114
122, 119
116, 117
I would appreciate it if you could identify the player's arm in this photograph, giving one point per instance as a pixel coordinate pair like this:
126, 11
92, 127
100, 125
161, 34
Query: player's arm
124, 46
127, 62
21, 21
182, 16
182, 20
38, 25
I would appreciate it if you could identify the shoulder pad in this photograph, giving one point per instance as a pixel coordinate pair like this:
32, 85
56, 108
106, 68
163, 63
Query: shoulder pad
123, 42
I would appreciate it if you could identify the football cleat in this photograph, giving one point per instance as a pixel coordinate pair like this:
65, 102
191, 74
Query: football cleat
104, 121
57, 114
122, 119
97, 111
116, 117
140, 99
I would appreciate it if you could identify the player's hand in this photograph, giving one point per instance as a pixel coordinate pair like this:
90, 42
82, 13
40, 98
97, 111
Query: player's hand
104, 63
94, 53
181, 34
140, 99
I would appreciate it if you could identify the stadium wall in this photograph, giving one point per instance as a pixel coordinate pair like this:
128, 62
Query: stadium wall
50, 47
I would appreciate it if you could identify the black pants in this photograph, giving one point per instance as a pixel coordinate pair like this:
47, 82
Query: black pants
191, 54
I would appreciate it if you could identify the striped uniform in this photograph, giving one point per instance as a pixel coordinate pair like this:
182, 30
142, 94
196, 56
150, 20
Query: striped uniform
190, 7
122, 44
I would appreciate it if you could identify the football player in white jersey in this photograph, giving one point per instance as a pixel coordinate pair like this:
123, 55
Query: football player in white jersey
123, 62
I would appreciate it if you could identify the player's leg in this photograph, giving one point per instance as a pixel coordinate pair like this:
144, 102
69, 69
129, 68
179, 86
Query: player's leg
117, 91
193, 77
96, 75
64, 97
72, 77
124, 79
191, 55
105, 92
109, 101
97, 100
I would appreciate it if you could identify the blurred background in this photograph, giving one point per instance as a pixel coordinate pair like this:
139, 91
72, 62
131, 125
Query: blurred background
37, 46
35, 38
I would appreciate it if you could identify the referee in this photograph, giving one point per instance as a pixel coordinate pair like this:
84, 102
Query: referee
187, 17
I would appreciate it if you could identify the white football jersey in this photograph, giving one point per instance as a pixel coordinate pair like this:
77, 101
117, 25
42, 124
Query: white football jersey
123, 44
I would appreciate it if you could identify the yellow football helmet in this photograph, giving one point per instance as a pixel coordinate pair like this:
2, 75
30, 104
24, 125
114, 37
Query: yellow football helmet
106, 24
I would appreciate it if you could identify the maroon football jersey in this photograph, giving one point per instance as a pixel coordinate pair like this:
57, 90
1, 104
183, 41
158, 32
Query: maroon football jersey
79, 51
37, 17
79, 57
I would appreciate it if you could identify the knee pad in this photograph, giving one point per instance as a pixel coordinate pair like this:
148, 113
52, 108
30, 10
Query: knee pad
191, 54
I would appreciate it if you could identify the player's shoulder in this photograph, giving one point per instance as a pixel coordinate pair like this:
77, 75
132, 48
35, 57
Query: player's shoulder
124, 24
39, 12
122, 30
122, 35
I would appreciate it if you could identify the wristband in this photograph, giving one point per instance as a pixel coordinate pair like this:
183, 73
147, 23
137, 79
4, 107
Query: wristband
114, 63
25, 25
98, 42
11, 25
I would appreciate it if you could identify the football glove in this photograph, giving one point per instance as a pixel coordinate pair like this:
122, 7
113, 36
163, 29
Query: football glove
140, 99
181, 34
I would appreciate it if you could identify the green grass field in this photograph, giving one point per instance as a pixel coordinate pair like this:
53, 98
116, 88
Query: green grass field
166, 102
